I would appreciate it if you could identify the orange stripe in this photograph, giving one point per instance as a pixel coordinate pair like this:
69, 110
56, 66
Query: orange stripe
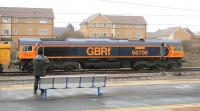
106, 57
98, 46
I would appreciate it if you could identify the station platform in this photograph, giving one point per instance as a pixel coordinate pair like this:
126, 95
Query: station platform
158, 95
175, 107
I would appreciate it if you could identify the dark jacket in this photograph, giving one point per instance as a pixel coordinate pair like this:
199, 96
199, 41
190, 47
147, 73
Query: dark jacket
40, 65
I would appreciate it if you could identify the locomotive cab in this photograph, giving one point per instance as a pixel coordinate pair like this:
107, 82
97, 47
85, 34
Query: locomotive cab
177, 51
26, 54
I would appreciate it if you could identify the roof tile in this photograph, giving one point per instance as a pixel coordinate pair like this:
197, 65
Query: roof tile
26, 12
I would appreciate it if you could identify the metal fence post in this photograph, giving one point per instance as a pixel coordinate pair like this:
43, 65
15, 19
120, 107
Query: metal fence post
98, 91
44, 95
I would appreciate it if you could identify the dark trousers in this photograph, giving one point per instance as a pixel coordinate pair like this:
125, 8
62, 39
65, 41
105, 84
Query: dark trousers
37, 79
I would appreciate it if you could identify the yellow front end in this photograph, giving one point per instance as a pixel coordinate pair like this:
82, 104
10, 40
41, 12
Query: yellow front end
5, 54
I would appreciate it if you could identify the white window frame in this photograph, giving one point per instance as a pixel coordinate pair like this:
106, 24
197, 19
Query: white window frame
43, 20
98, 25
94, 34
6, 31
129, 35
27, 48
118, 34
43, 32
15, 32
5, 19
113, 25
29, 20
15, 20
104, 34
28, 31
107, 25
138, 35
117, 25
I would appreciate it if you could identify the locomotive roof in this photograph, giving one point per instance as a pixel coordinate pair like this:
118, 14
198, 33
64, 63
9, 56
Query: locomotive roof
94, 41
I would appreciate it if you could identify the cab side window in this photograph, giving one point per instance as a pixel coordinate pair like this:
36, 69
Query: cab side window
177, 48
27, 48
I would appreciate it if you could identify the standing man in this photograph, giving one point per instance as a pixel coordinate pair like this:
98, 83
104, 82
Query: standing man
40, 64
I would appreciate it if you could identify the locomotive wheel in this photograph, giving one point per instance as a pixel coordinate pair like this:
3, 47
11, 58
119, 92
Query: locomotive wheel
1, 69
156, 67
139, 67
50, 69
30, 70
69, 68
170, 66
28, 67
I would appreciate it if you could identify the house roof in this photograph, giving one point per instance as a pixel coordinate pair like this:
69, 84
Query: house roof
26, 12
119, 19
166, 32
169, 31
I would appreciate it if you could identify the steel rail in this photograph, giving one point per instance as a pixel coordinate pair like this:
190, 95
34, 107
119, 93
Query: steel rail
103, 71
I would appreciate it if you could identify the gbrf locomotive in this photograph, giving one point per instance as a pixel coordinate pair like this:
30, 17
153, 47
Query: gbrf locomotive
76, 54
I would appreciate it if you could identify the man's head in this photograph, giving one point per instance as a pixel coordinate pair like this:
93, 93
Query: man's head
40, 51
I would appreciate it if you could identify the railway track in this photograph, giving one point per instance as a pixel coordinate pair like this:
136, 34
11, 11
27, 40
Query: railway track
102, 71
28, 78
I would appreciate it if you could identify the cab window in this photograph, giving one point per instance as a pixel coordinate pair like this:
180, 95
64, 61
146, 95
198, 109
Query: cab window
177, 48
27, 48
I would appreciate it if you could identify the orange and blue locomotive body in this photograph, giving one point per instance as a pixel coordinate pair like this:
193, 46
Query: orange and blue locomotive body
72, 54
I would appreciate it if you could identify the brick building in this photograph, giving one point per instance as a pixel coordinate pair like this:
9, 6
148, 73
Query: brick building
112, 26
172, 33
18, 22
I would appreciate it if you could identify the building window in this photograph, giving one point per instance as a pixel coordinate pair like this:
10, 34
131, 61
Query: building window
117, 26
95, 34
129, 35
15, 20
6, 32
102, 24
5, 19
15, 32
113, 25
104, 34
43, 32
43, 20
138, 35
28, 32
108, 25
118, 34
27, 48
94, 25
97, 25
29, 20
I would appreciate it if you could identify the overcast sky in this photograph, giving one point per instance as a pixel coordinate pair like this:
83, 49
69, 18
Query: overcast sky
159, 14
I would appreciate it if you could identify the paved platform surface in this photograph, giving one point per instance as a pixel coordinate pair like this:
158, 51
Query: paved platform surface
122, 96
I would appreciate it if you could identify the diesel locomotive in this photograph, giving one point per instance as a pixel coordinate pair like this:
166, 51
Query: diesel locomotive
76, 54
